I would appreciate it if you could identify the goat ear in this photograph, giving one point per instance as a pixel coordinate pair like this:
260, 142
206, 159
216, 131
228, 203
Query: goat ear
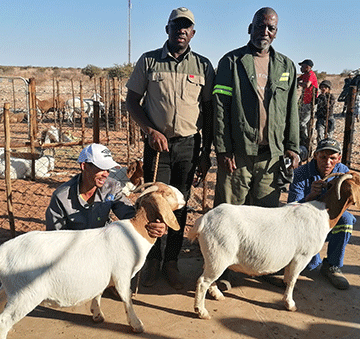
166, 214
355, 190
131, 169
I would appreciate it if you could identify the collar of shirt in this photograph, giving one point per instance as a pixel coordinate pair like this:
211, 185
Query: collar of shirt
166, 53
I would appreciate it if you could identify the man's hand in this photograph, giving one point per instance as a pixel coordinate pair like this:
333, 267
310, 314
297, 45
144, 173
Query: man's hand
156, 229
202, 168
158, 141
294, 158
226, 161
316, 190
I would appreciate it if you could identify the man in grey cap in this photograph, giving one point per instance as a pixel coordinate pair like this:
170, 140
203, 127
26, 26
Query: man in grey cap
85, 201
307, 186
307, 81
169, 96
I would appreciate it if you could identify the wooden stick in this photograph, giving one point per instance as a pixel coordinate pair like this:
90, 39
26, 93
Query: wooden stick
154, 179
8, 169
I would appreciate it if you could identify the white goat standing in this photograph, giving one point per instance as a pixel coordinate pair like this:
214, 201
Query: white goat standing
257, 240
88, 107
67, 268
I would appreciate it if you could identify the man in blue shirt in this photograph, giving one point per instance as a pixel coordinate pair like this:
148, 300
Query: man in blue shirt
307, 186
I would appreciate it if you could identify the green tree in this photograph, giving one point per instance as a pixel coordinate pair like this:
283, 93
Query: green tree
91, 71
121, 71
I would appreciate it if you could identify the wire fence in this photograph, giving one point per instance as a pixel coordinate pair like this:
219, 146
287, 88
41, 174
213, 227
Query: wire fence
59, 132
45, 143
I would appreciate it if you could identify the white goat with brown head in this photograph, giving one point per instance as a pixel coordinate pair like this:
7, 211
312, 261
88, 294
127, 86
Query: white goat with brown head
67, 268
258, 240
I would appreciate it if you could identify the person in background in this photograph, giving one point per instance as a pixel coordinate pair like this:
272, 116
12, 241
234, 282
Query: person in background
345, 89
86, 200
325, 123
169, 96
306, 186
256, 119
307, 81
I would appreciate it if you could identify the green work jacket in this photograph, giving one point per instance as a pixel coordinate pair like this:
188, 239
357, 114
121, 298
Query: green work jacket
236, 103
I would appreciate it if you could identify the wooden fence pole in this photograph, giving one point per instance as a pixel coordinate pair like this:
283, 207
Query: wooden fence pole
116, 103
33, 123
101, 88
54, 94
14, 96
82, 112
106, 107
73, 100
349, 127
95, 88
96, 122
8, 170
61, 118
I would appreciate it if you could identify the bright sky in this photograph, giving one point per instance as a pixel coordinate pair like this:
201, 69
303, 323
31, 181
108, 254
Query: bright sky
77, 33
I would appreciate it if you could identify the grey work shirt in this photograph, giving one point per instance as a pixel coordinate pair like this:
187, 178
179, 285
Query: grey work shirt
67, 210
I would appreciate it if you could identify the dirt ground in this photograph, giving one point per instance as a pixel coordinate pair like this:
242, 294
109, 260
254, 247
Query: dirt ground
252, 309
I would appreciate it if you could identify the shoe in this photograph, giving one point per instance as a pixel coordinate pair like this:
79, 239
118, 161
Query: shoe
223, 282
335, 276
151, 273
172, 275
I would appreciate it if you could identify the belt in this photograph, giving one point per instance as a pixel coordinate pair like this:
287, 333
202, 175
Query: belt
263, 149
177, 139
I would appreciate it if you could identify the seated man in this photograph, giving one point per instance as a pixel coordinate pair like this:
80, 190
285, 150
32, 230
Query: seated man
85, 201
307, 186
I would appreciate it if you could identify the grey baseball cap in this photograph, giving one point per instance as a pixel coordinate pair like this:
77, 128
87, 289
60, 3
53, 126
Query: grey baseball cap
330, 144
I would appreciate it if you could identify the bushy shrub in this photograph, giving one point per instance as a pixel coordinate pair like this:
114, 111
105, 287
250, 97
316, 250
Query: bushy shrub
91, 71
120, 71
320, 76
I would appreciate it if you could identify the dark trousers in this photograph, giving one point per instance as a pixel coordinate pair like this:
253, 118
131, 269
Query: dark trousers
177, 168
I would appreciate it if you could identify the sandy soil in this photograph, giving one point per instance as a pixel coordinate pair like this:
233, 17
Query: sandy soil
252, 309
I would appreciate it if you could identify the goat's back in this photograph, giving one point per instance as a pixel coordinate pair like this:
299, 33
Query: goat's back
80, 262
259, 237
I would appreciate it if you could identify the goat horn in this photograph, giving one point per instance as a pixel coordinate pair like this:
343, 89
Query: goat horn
149, 190
340, 181
332, 175
137, 189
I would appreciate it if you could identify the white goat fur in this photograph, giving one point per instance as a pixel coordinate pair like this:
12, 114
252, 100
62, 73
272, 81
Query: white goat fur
257, 241
67, 268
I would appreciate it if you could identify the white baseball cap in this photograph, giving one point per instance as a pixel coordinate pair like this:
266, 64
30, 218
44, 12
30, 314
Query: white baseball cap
99, 155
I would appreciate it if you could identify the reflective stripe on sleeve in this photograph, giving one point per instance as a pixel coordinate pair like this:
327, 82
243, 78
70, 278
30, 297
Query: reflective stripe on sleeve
342, 228
220, 89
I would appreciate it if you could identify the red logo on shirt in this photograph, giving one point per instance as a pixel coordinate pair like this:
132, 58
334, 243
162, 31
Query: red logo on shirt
191, 76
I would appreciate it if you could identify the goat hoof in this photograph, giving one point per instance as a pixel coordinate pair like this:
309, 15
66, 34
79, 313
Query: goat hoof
290, 306
203, 314
98, 319
138, 329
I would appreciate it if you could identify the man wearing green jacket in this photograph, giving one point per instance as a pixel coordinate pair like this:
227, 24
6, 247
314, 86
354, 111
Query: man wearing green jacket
256, 117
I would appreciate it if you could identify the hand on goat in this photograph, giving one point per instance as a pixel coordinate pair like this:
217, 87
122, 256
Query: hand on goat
156, 229
316, 190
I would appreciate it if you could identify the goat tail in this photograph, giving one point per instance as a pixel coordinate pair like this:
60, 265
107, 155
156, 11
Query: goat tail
196, 229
